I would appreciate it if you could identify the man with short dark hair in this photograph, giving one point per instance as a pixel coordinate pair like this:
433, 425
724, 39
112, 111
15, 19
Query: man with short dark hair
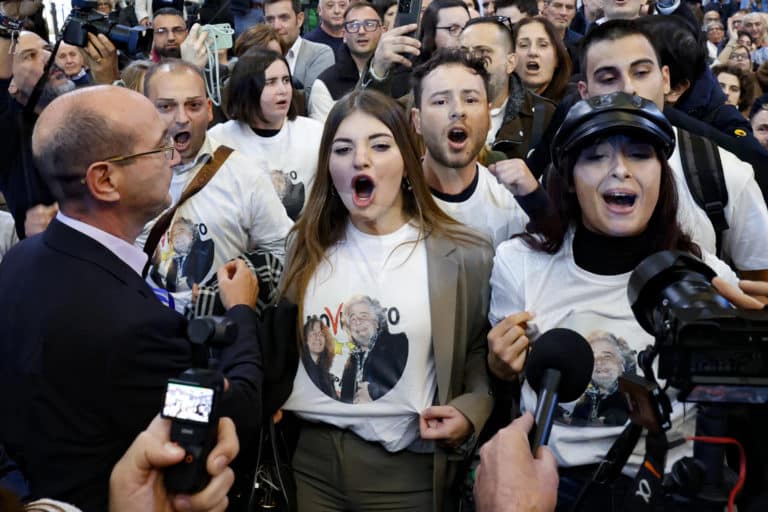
330, 30
236, 211
516, 112
306, 59
516, 10
451, 113
86, 348
362, 30
169, 31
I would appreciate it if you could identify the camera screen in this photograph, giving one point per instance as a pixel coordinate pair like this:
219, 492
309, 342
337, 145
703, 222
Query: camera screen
188, 402
728, 394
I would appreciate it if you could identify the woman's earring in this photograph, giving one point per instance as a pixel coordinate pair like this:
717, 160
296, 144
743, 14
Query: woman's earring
406, 184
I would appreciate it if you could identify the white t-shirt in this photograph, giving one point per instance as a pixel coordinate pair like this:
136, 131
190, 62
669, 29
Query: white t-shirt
497, 119
561, 294
491, 209
320, 101
289, 158
399, 371
236, 211
8, 236
745, 242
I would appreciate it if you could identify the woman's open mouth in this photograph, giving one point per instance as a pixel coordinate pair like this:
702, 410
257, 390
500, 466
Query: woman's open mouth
363, 188
620, 202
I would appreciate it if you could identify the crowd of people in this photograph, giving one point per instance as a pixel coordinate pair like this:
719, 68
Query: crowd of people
415, 204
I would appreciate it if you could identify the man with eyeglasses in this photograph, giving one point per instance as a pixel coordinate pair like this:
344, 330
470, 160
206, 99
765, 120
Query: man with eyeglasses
237, 211
87, 348
170, 31
330, 30
362, 30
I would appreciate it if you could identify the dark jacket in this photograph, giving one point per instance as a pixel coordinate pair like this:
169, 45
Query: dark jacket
86, 350
20, 182
705, 101
381, 370
526, 117
343, 76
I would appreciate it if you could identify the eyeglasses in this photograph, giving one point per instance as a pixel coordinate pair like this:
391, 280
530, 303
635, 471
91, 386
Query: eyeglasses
166, 150
504, 21
738, 56
177, 31
353, 27
454, 30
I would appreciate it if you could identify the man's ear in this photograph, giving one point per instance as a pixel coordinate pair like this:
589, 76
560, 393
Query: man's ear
416, 120
676, 92
511, 62
582, 86
210, 110
103, 181
300, 19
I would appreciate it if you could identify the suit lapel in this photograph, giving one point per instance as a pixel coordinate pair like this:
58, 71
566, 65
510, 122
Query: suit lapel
442, 272
62, 238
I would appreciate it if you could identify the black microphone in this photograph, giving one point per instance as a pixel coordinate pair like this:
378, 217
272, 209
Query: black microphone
559, 368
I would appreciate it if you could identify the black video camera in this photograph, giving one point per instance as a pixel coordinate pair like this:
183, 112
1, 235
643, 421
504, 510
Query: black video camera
708, 349
192, 404
84, 19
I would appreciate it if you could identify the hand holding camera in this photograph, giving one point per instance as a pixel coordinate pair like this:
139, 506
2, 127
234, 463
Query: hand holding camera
135, 484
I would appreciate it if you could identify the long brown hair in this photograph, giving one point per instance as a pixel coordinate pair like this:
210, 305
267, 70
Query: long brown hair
562, 73
324, 219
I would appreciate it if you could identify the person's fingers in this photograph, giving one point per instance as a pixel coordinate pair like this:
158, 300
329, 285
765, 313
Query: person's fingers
226, 449
754, 287
438, 411
227, 270
737, 297
212, 498
106, 44
403, 29
153, 448
516, 319
399, 59
522, 424
97, 44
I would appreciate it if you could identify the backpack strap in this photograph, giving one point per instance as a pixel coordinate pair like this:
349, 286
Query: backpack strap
704, 174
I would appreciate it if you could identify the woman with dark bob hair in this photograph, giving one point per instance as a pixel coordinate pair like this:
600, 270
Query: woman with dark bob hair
318, 355
615, 204
264, 126
404, 289
543, 63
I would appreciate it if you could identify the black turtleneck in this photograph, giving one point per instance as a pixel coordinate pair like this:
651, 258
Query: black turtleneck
610, 255
263, 132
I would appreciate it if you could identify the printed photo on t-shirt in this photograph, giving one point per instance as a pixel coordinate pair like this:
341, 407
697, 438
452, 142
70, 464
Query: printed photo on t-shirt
602, 404
182, 257
289, 190
353, 356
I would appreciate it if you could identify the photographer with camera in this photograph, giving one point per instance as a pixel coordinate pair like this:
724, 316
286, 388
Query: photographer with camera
86, 348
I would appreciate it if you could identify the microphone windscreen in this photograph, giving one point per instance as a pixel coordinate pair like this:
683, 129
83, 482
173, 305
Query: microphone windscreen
569, 353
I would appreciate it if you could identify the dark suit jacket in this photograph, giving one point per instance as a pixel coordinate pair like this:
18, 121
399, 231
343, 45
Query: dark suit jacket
85, 353
382, 368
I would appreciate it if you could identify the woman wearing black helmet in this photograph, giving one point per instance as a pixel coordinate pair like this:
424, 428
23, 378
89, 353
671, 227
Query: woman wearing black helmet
615, 205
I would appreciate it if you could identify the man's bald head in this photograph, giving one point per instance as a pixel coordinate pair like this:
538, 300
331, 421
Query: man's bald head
175, 66
83, 127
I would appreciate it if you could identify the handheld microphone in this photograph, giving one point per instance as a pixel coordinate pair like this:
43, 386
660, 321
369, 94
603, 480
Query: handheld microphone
559, 369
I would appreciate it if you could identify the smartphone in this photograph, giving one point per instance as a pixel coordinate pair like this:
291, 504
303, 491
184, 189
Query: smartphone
221, 33
191, 403
408, 11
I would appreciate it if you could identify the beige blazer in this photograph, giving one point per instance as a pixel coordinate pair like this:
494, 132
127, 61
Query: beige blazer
459, 295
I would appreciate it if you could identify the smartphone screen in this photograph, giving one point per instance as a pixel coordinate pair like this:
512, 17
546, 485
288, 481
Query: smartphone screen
188, 402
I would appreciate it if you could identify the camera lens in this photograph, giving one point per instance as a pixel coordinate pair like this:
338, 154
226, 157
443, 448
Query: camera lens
671, 279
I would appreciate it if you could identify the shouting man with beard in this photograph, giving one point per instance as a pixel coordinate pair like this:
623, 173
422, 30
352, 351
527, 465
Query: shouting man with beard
452, 114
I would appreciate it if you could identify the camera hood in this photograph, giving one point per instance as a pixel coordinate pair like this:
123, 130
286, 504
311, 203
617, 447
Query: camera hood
649, 284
